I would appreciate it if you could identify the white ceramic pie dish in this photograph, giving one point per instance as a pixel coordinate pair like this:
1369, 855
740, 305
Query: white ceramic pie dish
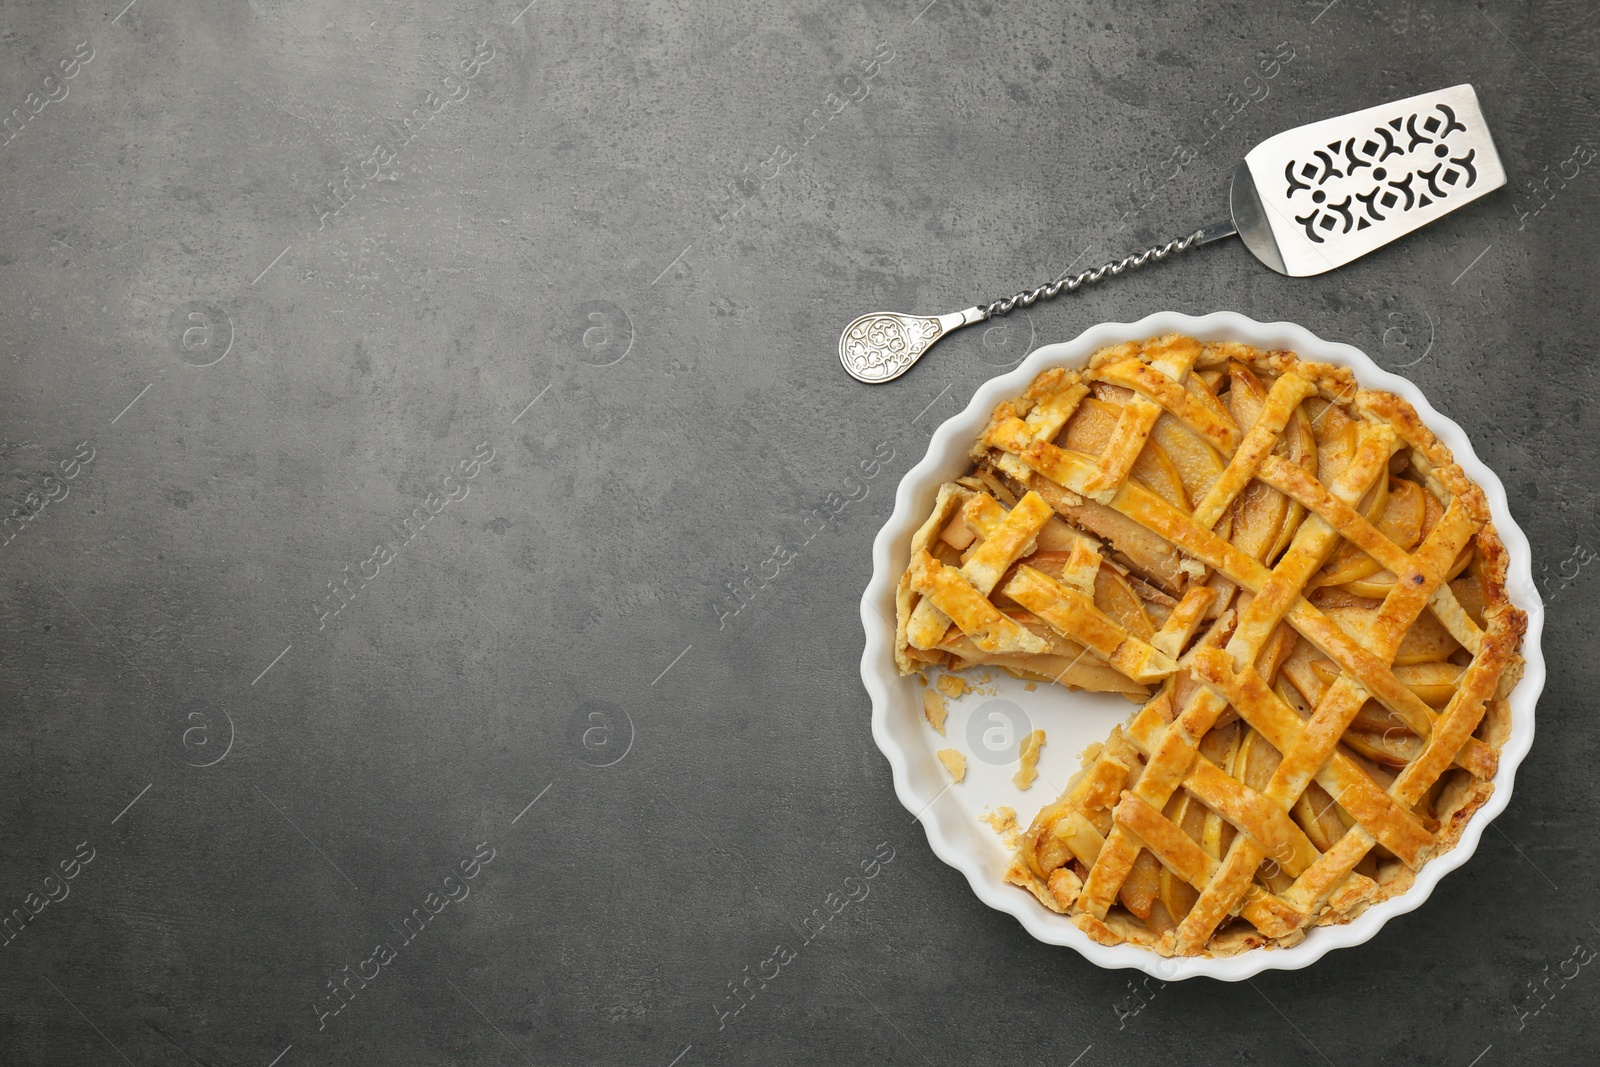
949, 814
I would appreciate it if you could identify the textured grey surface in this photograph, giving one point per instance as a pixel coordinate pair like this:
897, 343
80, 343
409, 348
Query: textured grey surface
551, 233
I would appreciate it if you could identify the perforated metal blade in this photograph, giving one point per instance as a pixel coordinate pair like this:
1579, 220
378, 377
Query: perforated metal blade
1318, 196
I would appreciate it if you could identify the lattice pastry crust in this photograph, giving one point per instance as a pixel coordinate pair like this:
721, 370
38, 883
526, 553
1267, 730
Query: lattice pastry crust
1296, 583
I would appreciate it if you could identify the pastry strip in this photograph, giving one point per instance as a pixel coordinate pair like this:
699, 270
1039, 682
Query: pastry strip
1003, 544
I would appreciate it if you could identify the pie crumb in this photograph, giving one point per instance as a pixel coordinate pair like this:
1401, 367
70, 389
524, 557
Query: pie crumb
933, 707
1001, 819
954, 762
1029, 755
951, 686
1030, 686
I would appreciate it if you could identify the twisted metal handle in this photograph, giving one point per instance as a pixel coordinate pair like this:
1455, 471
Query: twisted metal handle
1073, 282
883, 345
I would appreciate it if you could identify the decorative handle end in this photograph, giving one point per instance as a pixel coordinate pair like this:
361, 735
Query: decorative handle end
883, 345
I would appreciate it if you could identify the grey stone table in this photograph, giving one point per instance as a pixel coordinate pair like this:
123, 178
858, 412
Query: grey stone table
395, 393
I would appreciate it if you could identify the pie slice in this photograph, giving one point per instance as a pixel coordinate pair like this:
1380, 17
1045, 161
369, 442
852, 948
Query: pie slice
1296, 584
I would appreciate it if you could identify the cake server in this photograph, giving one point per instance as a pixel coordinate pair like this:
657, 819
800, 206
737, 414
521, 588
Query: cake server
1303, 202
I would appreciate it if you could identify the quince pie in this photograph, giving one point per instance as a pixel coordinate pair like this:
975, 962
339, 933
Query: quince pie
1298, 586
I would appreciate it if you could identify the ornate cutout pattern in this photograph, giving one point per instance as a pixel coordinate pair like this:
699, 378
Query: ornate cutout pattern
1374, 188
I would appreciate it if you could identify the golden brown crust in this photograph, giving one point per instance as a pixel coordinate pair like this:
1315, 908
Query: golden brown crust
1292, 767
